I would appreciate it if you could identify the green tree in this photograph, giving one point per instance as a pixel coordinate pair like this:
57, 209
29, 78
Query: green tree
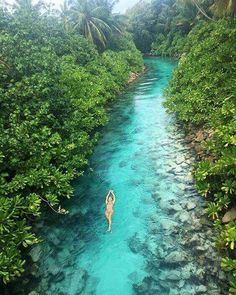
93, 19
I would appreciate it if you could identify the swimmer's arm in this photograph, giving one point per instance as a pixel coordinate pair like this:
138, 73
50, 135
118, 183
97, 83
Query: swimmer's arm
107, 197
114, 197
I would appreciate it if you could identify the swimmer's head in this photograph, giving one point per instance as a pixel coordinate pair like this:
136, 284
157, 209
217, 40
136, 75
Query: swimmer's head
110, 199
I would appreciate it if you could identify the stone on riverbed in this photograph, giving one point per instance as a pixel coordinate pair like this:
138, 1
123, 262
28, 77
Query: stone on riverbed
171, 275
184, 217
35, 253
170, 205
176, 257
135, 244
201, 289
59, 277
168, 225
176, 207
191, 206
173, 292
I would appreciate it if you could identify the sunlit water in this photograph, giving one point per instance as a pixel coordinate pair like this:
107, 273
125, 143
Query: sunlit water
151, 250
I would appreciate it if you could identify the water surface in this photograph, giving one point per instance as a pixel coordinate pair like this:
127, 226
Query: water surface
158, 244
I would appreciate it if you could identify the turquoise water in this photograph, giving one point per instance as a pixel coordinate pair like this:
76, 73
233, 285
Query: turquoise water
161, 241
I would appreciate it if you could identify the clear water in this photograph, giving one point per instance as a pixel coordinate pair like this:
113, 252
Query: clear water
143, 158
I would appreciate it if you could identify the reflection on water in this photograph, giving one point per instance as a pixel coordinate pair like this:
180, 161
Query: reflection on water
161, 241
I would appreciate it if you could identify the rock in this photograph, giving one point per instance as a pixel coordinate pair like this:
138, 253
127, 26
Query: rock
176, 207
176, 257
191, 206
59, 277
201, 249
201, 289
174, 292
181, 284
200, 136
174, 275
213, 292
168, 225
178, 169
135, 244
179, 160
53, 267
34, 270
35, 253
152, 247
161, 253
53, 238
156, 196
222, 275
143, 287
134, 276
44, 284
195, 240
229, 216
184, 217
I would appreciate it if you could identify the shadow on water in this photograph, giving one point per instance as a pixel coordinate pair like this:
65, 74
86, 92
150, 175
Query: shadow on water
161, 242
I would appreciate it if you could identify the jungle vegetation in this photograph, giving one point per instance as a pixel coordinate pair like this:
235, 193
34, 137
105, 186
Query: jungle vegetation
201, 94
58, 72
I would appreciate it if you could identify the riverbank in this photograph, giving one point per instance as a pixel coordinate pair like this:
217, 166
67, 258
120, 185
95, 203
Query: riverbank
133, 76
159, 232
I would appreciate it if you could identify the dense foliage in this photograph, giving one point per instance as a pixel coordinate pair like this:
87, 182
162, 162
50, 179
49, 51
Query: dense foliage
203, 93
162, 24
54, 86
161, 27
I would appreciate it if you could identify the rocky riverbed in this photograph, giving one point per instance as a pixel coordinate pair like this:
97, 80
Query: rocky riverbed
162, 242
182, 258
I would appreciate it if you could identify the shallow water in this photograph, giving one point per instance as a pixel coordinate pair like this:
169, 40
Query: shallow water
151, 250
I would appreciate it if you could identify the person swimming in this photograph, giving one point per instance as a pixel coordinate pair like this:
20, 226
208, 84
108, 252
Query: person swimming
110, 201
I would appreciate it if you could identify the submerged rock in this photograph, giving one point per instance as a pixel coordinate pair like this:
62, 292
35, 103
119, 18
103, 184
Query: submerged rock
201, 289
168, 225
174, 275
176, 257
135, 244
184, 217
143, 287
191, 205
35, 253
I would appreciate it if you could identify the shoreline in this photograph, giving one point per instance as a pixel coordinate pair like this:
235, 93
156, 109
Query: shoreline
134, 76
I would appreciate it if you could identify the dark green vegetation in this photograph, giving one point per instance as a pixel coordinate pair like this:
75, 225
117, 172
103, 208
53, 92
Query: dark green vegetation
202, 93
54, 87
160, 27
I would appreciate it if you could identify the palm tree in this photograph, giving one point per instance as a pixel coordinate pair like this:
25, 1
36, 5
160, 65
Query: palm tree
65, 15
224, 7
218, 8
94, 20
198, 6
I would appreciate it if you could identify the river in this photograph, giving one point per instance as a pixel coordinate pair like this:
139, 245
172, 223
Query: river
161, 242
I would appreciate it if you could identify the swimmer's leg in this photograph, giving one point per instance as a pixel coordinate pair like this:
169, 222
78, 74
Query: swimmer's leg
109, 224
110, 221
